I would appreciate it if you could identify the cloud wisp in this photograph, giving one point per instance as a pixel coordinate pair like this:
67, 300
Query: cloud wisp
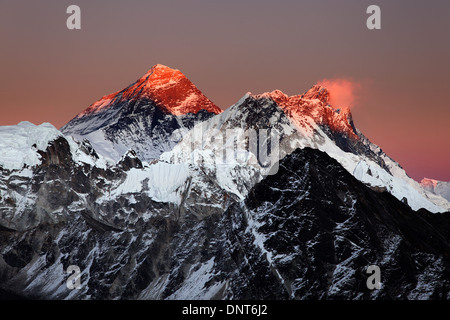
343, 92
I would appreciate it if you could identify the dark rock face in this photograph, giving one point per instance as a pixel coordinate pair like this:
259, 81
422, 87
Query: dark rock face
360, 146
323, 229
129, 161
138, 124
308, 232
145, 128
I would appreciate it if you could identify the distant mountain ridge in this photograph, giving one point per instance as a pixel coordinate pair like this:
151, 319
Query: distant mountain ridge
441, 188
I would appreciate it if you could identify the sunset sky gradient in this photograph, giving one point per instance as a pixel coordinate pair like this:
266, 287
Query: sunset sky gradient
399, 76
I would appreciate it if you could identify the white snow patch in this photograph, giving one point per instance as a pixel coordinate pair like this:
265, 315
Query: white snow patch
160, 181
194, 287
371, 173
19, 144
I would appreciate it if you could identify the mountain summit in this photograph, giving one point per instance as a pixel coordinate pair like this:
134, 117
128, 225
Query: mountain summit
441, 188
149, 116
169, 88
315, 104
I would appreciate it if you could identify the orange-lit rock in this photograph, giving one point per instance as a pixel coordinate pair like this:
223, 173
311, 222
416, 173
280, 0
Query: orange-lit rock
168, 87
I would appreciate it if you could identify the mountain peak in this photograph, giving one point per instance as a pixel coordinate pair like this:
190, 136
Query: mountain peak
169, 88
431, 183
276, 95
160, 75
317, 92
314, 104
160, 66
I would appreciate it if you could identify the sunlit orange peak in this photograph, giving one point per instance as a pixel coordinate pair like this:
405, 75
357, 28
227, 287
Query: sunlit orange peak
318, 92
167, 87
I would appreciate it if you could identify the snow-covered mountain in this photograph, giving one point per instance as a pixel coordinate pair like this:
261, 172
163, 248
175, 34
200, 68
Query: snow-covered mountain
277, 197
441, 188
21, 146
306, 120
170, 231
156, 112
150, 116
